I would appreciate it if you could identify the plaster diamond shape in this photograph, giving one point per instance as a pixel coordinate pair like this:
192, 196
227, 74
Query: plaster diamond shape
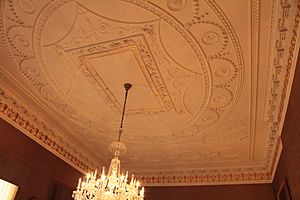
98, 61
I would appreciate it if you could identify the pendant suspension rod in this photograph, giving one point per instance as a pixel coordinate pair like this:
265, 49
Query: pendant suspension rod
127, 86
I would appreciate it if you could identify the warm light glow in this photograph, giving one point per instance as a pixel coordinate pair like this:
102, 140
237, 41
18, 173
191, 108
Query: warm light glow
8, 191
114, 186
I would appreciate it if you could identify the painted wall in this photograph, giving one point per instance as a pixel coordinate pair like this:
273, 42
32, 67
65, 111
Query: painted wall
289, 164
226, 192
36, 171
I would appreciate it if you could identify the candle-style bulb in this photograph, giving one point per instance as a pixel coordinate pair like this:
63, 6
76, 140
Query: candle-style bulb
95, 174
79, 181
142, 192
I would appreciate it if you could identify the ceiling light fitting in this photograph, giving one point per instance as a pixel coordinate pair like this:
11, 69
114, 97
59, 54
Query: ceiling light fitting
114, 185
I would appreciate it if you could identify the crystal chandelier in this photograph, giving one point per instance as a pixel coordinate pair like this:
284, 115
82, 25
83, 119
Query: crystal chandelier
114, 185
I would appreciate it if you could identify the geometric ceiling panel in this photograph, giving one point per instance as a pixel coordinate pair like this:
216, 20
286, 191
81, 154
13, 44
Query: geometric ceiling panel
210, 84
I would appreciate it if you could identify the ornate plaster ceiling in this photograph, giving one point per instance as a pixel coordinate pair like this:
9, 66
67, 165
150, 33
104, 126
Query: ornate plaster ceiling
211, 81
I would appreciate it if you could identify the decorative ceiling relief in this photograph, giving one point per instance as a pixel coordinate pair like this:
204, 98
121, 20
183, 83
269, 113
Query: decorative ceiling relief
209, 85
34, 128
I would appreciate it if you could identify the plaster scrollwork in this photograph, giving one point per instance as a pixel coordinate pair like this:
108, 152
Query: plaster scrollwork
217, 155
148, 30
210, 38
196, 155
22, 40
17, 34
283, 57
80, 35
221, 97
20, 8
29, 69
26, 6
186, 133
176, 5
209, 117
217, 41
19, 39
21, 118
224, 71
71, 112
85, 31
210, 35
231, 129
208, 178
138, 42
176, 77
232, 154
239, 135
51, 96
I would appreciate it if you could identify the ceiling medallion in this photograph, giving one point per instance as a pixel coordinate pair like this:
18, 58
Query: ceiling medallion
114, 185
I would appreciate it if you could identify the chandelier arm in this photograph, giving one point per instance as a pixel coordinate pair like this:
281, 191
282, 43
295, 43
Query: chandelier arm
127, 86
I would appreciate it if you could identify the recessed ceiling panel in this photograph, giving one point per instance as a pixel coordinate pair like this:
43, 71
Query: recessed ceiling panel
210, 83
